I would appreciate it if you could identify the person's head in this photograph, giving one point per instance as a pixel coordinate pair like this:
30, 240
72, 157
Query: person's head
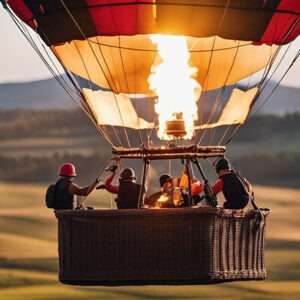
67, 170
127, 174
166, 182
222, 164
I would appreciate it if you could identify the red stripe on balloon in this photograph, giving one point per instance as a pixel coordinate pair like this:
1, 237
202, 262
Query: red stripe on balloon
22, 11
283, 27
110, 19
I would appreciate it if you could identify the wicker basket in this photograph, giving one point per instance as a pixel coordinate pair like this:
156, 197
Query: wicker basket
160, 246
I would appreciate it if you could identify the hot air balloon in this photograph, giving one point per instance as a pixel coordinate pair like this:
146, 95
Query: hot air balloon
162, 80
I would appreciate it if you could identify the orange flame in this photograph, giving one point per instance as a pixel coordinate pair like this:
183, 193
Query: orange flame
172, 81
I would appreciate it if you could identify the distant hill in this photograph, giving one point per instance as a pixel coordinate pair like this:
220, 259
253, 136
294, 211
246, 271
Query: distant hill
284, 100
44, 94
41, 94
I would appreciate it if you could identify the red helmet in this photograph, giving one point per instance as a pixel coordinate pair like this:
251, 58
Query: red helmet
68, 170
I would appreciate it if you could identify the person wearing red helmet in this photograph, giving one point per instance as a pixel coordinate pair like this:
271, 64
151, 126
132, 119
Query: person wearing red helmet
67, 190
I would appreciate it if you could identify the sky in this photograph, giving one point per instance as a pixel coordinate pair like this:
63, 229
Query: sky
18, 61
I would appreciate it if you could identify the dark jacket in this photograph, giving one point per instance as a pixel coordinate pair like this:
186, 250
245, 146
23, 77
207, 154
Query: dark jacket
234, 191
64, 199
128, 194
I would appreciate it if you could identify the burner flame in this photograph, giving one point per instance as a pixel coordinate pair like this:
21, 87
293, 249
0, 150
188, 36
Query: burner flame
177, 91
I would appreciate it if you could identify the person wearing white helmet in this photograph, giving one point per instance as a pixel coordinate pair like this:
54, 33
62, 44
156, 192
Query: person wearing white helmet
128, 190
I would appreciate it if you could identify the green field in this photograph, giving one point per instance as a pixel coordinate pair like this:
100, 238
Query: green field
28, 253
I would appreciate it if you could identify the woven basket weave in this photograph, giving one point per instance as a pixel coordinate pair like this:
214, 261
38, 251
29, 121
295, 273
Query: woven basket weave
160, 246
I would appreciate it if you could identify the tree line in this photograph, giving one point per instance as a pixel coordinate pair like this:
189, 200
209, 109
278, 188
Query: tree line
282, 169
24, 123
44, 168
260, 127
21, 123
267, 169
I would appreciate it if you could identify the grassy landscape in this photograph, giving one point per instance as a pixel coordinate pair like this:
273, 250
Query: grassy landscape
33, 145
28, 252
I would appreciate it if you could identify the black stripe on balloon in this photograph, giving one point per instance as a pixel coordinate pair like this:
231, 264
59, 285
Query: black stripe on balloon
247, 23
245, 20
54, 22
271, 4
248, 5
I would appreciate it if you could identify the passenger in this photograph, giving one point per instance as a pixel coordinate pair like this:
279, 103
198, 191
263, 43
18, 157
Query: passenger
165, 198
169, 198
128, 190
66, 190
236, 189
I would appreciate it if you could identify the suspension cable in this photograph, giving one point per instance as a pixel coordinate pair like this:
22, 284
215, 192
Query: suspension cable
99, 64
219, 96
31, 42
210, 61
289, 31
260, 86
89, 82
37, 51
267, 98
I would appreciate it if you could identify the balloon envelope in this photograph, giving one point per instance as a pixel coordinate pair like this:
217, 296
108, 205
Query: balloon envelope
108, 44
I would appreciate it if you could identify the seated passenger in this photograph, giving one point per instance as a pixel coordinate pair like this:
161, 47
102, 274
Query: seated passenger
174, 192
66, 190
236, 189
128, 190
169, 197
162, 198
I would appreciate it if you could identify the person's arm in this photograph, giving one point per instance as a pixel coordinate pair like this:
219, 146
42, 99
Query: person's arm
218, 186
114, 189
79, 191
